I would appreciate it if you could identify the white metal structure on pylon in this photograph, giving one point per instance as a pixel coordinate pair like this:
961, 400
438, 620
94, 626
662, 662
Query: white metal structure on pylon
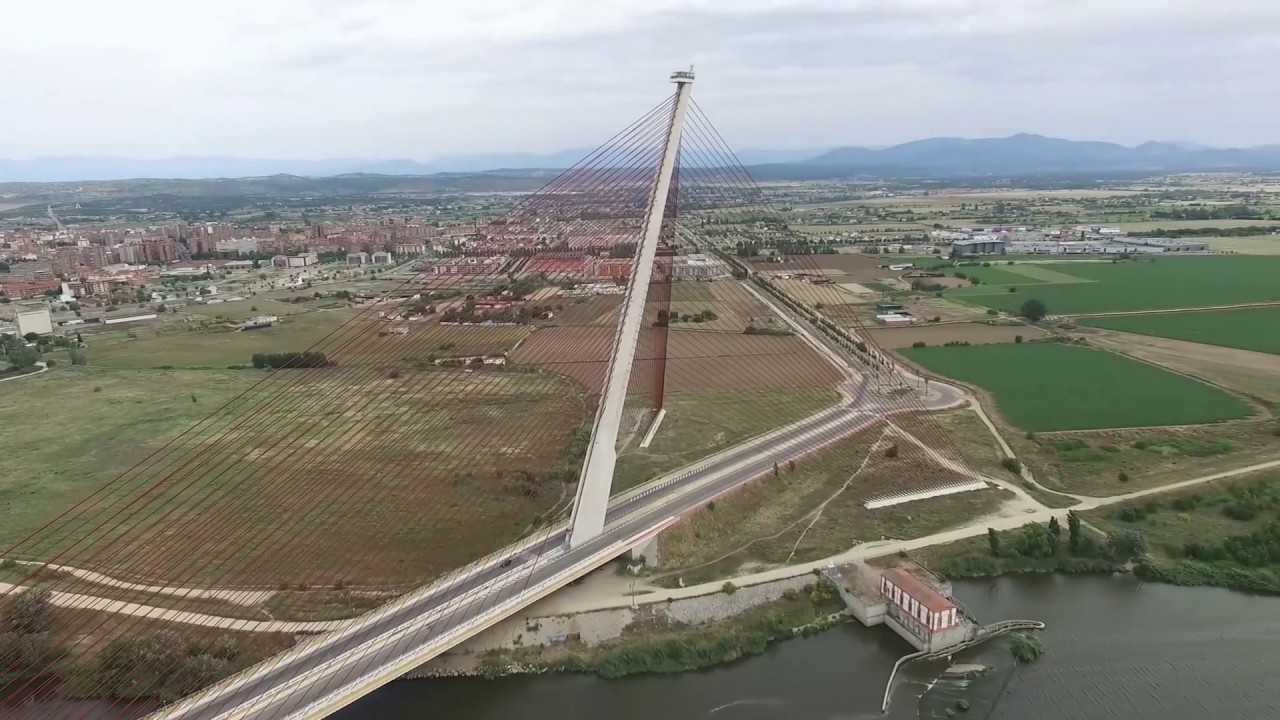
596, 479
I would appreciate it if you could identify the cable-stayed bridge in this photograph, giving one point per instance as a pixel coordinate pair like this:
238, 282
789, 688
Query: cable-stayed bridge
400, 453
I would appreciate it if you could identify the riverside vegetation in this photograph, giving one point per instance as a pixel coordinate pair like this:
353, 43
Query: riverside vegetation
661, 646
1226, 536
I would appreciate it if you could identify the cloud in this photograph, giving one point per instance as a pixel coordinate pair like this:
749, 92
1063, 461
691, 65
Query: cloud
416, 78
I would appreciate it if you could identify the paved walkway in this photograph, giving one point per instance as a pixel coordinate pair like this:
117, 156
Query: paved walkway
247, 598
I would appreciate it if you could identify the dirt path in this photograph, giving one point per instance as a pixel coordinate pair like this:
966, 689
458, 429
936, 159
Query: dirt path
1169, 310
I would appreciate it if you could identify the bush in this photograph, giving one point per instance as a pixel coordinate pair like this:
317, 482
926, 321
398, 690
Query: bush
1013, 465
728, 588
992, 311
1123, 476
1013, 289
1017, 339
892, 452
919, 344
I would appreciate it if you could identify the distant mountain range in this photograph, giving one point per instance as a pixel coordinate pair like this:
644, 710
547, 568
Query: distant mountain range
1022, 154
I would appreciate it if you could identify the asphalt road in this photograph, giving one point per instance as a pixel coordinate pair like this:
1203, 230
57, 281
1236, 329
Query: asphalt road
277, 688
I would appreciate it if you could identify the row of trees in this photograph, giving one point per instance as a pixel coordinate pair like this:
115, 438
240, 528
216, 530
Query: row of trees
1036, 541
305, 359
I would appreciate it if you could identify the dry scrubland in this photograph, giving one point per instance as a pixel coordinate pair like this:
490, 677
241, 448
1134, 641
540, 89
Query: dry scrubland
761, 523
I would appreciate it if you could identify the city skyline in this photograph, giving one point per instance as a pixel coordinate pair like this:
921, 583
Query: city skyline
311, 79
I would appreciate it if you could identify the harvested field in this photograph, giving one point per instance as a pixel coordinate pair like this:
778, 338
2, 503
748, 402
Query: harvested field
973, 333
855, 267
1246, 244
600, 310
1247, 372
812, 294
734, 306
759, 524
344, 339
332, 463
943, 309
697, 361
1255, 329
1053, 386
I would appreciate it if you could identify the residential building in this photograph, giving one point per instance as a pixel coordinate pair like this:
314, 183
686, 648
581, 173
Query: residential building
698, 266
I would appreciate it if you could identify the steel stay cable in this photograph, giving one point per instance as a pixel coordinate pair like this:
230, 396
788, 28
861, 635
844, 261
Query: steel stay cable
531, 564
172, 442
931, 427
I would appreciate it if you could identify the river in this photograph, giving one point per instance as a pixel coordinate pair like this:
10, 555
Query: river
1116, 648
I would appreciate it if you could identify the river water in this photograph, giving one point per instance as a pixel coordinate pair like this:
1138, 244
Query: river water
1115, 649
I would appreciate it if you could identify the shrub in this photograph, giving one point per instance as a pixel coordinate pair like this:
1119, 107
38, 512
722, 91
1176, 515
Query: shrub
1013, 289
919, 344
728, 588
1017, 339
1123, 476
1013, 465
992, 311
892, 452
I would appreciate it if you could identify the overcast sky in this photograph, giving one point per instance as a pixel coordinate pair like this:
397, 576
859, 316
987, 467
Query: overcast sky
417, 78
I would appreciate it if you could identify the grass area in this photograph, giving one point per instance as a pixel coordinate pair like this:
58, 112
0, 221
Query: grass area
879, 287
1053, 386
1199, 514
92, 425
1150, 284
1220, 534
702, 424
261, 479
763, 522
686, 291
657, 645
1121, 461
192, 345
1247, 329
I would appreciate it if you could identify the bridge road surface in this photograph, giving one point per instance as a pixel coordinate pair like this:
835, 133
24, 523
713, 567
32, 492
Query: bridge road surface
467, 594
277, 689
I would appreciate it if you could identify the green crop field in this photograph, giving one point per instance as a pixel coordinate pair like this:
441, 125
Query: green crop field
1162, 284
1007, 275
1052, 386
1247, 329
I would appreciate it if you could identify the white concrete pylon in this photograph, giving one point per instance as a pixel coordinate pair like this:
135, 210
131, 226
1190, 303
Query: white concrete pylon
596, 480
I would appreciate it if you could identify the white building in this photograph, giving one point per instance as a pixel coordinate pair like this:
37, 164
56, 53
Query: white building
34, 319
381, 258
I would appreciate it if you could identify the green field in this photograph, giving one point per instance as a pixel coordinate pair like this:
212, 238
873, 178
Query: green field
64, 433
688, 291
1248, 329
1007, 275
67, 433
1163, 284
1052, 386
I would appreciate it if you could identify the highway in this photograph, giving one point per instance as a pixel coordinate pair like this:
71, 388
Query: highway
330, 671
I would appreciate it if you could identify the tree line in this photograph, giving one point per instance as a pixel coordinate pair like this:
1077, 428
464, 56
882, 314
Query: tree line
306, 359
